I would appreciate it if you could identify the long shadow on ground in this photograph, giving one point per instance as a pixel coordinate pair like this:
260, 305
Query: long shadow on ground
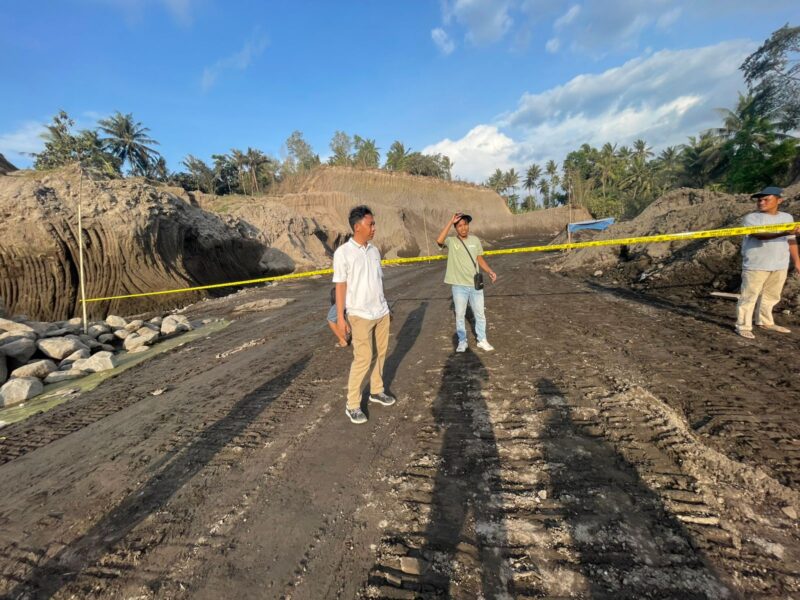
627, 543
462, 507
406, 337
46, 580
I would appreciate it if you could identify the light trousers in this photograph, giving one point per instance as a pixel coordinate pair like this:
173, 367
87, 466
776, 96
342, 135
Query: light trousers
370, 336
760, 292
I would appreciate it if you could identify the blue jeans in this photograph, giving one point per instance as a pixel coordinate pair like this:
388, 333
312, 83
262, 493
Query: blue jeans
463, 294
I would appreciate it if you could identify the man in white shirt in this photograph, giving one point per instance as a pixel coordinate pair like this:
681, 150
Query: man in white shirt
358, 277
765, 262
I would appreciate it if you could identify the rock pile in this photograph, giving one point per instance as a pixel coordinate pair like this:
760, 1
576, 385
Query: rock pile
35, 353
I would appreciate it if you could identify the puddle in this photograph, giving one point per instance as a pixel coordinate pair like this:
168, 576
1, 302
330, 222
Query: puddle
58, 393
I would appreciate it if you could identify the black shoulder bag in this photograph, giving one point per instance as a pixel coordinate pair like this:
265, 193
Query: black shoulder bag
478, 277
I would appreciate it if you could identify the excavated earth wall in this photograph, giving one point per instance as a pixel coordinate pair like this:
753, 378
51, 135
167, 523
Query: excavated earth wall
145, 237
706, 263
137, 237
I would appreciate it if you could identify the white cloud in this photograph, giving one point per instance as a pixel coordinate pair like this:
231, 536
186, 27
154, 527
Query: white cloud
443, 41
17, 145
482, 150
485, 21
552, 45
238, 61
567, 17
669, 18
662, 98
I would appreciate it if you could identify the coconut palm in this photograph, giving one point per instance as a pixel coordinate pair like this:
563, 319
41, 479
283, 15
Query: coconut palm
128, 140
532, 176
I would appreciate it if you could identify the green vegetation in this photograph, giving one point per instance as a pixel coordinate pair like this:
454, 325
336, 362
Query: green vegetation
752, 148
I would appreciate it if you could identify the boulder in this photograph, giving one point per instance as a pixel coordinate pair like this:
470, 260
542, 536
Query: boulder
134, 325
156, 321
98, 329
77, 355
8, 325
122, 333
40, 327
75, 322
175, 324
59, 376
20, 350
106, 338
102, 361
115, 322
107, 348
60, 332
150, 335
61, 347
142, 337
19, 389
38, 368
10, 336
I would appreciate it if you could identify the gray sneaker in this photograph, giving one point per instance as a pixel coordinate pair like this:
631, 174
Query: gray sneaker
357, 416
382, 398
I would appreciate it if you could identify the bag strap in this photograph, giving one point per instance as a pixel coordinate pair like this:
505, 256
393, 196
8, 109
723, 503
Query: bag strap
477, 270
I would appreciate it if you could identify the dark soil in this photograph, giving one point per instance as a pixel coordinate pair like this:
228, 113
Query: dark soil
615, 445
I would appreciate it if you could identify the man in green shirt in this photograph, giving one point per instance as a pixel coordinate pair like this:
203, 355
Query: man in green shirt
464, 257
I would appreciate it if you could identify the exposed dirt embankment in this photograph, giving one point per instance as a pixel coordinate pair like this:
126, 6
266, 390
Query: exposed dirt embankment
410, 212
138, 238
712, 262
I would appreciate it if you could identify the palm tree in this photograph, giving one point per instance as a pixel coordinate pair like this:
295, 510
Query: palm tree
396, 156
544, 190
531, 178
497, 181
606, 164
255, 158
128, 141
641, 149
551, 168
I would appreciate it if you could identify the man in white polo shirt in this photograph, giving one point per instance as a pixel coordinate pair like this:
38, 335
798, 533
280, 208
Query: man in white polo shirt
358, 277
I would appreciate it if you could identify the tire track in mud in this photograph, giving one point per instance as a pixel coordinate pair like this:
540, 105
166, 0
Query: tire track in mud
574, 483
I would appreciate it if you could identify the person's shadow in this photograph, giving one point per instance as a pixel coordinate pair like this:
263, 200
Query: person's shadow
463, 511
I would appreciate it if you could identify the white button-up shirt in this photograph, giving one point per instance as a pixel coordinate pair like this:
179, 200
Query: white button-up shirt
360, 268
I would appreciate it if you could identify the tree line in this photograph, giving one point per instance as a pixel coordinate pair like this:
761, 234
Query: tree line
753, 147
120, 145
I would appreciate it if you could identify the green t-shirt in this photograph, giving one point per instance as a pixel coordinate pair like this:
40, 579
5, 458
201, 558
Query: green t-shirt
460, 270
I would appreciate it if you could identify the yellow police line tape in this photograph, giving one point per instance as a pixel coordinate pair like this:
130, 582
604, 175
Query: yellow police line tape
650, 239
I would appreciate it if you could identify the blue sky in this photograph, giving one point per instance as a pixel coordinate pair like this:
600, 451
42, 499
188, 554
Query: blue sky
491, 83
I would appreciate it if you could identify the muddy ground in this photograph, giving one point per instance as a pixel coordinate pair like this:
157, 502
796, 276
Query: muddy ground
614, 446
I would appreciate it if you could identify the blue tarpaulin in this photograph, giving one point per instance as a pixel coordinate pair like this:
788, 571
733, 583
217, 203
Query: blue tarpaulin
598, 224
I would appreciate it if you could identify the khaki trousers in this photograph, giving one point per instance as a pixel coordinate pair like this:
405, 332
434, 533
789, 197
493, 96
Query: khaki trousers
760, 292
369, 336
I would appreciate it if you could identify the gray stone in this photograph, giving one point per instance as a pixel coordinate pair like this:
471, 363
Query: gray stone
19, 389
102, 361
98, 329
106, 338
115, 322
149, 335
66, 364
8, 325
75, 322
38, 368
412, 566
134, 325
59, 376
61, 347
156, 321
175, 324
12, 336
132, 341
40, 327
122, 333
93, 344
20, 350
138, 349
60, 332
107, 348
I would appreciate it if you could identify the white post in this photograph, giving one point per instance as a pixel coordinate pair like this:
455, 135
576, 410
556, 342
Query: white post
425, 227
80, 250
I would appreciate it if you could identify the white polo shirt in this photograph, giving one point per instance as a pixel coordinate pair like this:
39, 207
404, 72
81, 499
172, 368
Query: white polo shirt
360, 268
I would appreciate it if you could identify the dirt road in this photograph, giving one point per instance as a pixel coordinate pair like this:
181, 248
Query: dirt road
613, 446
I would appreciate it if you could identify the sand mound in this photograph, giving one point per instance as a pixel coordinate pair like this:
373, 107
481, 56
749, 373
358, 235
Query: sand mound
5, 166
410, 212
713, 262
138, 238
